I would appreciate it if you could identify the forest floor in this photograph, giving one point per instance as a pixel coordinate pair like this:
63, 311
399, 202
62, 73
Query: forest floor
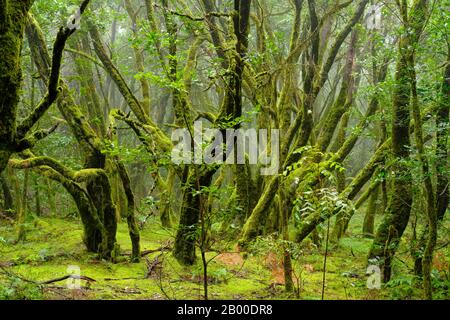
53, 245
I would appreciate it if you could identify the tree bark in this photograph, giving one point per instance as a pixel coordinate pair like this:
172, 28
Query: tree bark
398, 211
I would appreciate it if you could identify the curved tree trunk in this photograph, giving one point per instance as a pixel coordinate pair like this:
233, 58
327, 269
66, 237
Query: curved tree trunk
98, 186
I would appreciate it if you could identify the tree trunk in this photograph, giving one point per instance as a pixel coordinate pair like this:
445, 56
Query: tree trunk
442, 165
369, 218
187, 233
13, 20
398, 211
131, 221
98, 185
22, 209
37, 197
8, 201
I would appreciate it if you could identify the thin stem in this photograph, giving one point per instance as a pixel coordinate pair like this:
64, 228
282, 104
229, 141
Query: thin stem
325, 260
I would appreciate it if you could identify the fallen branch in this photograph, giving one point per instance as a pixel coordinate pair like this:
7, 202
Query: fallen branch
152, 266
70, 276
120, 279
144, 253
147, 252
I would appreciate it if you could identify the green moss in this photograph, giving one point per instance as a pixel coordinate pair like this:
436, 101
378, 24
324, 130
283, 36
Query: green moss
54, 244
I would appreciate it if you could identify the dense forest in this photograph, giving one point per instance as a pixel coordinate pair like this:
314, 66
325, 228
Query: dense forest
224, 149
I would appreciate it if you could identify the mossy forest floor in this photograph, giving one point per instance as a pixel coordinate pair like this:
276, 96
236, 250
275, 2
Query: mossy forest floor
52, 245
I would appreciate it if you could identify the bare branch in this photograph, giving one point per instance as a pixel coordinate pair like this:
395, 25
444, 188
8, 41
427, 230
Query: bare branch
52, 89
31, 140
